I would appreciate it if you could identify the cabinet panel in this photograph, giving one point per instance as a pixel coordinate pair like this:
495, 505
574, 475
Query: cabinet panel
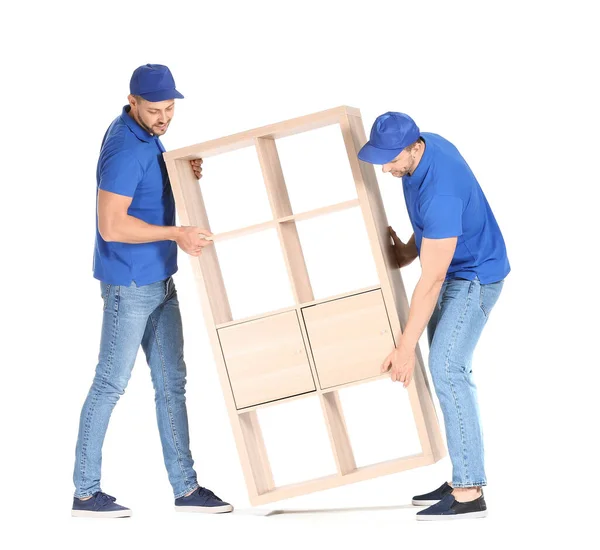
266, 359
349, 337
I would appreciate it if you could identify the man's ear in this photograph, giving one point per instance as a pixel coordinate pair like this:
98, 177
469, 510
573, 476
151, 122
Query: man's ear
417, 149
132, 101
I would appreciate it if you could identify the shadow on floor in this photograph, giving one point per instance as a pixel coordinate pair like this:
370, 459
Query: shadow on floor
269, 513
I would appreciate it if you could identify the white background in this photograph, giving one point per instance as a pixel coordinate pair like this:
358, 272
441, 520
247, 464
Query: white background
512, 84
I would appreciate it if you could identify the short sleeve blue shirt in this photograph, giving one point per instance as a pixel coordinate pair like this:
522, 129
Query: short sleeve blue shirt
444, 199
131, 164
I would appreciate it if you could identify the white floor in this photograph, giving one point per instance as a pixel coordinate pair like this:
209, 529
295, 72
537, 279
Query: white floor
365, 515
370, 526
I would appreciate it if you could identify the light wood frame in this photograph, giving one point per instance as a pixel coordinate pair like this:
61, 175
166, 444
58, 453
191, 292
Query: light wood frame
217, 313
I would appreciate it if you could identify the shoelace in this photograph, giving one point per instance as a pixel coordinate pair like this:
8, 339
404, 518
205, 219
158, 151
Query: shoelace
102, 499
209, 493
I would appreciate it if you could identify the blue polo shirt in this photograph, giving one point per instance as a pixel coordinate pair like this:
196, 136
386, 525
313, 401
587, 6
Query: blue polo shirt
131, 164
444, 199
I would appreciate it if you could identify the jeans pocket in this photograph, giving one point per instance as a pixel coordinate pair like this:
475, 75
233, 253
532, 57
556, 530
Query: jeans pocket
488, 296
105, 293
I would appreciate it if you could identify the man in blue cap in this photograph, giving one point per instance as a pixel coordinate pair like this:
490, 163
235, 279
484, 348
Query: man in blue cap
463, 266
135, 257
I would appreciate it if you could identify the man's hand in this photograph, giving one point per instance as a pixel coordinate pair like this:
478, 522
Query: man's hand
197, 167
404, 253
190, 240
402, 364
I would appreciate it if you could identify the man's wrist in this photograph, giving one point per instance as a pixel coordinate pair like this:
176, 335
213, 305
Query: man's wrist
401, 258
174, 232
405, 345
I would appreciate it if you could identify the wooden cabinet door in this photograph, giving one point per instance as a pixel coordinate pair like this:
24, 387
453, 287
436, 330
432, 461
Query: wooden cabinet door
349, 337
266, 359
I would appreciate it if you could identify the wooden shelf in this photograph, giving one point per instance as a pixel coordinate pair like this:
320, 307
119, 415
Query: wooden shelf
273, 359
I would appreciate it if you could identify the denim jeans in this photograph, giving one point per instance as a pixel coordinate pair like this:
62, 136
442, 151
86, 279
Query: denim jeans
148, 316
453, 331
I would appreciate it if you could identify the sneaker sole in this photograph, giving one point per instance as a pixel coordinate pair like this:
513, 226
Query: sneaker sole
469, 515
424, 502
205, 509
89, 514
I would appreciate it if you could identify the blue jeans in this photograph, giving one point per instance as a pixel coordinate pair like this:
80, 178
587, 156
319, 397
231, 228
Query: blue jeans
148, 316
454, 329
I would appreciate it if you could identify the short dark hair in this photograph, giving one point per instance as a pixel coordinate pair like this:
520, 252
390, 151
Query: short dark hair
138, 98
412, 145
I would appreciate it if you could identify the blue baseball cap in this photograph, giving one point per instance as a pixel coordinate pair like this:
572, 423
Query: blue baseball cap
153, 83
390, 135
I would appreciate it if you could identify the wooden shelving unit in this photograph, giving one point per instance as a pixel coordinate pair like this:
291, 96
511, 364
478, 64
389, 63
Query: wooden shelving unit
315, 347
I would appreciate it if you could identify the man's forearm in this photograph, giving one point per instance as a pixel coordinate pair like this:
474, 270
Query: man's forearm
132, 230
423, 302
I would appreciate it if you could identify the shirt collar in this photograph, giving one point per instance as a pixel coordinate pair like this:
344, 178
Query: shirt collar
419, 174
139, 132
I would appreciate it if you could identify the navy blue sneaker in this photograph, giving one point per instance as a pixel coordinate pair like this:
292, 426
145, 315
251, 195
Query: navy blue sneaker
429, 499
450, 508
100, 505
202, 500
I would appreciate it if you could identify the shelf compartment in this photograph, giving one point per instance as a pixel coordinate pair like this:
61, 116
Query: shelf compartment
297, 429
254, 272
337, 252
316, 169
234, 180
266, 359
349, 338
365, 406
